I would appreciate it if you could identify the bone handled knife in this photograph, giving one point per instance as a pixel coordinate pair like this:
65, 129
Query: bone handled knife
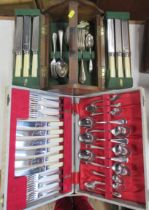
26, 45
118, 44
111, 47
126, 48
18, 46
35, 46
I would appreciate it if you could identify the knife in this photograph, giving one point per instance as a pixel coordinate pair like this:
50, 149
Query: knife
26, 45
118, 44
18, 46
111, 47
126, 48
35, 46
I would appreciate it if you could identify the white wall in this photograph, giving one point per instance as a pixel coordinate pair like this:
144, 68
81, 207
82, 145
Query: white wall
6, 65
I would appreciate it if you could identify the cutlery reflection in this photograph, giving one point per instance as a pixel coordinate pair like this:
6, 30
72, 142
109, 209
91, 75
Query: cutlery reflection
36, 161
89, 122
92, 107
42, 175
38, 132
114, 112
34, 153
50, 165
40, 142
24, 146
35, 195
29, 138
118, 149
88, 138
42, 183
91, 186
88, 156
115, 178
119, 131
49, 126
43, 168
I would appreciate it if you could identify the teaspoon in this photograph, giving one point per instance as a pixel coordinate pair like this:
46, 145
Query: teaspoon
88, 138
89, 122
88, 156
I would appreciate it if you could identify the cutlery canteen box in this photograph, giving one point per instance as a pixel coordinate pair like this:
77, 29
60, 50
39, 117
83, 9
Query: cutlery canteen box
57, 145
31, 49
117, 50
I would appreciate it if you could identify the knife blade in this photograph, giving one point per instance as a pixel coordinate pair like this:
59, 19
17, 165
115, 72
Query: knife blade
35, 46
118, 44
26, 45
126, 48
18, 46
111, 47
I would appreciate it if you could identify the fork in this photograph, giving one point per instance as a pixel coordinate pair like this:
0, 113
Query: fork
53, 62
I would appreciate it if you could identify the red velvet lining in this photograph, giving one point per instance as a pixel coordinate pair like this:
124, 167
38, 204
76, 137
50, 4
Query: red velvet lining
16, 197
75, 177
133, 189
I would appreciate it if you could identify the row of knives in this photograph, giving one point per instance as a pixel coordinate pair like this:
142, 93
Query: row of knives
26, 46
118, 47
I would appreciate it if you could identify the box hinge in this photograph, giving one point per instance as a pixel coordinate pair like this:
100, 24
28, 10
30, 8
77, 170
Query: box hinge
75, 178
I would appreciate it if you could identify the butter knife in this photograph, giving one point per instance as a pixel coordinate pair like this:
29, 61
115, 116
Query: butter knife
26, 45
118, 44
35, 46
111, 47
126, 48
18, 46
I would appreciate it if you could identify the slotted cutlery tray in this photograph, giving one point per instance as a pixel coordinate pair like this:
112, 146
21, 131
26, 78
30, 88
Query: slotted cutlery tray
92, 145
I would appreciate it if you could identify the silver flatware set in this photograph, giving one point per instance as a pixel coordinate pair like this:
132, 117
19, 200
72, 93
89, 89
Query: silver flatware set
93, 136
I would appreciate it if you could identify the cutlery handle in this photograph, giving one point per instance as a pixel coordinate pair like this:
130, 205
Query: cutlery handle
127, 66
26, 65
82, 78
18, 65
112, 65
90, 65
34, 64
60, 34
119, 65
54, 38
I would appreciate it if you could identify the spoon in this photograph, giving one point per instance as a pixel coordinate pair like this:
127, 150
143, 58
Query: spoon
89, 122
92, 107
89, 42
88, 138
91, 187
53, 62
115, 178
88, 156
112, 98
119, 149
61, 65
119, 131
114, 112
93, 184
